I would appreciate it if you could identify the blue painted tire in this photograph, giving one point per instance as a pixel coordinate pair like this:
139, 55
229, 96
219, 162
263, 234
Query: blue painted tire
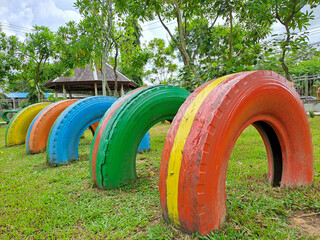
145, 143
65, 134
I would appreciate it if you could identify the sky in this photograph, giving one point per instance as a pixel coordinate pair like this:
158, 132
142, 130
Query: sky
19, 16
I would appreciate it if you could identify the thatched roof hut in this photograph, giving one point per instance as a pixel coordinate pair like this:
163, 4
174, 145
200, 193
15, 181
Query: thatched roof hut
88, 79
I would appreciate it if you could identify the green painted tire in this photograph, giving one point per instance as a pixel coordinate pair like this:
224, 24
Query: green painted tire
113, 153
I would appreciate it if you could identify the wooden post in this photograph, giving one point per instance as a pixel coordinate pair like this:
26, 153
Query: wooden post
70, 95
307, 89
96, 89
64, 91
121, 90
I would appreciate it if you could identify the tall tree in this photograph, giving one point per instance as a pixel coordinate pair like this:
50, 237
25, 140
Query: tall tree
289, 13
161, 62
38, 52
9, 58
98, 21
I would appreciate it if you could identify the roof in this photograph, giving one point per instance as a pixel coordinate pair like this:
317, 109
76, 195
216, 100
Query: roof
21, 95
84, 79
16, 95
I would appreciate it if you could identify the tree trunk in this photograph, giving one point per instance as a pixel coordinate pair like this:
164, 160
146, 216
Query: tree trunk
36, 82
106, 34
182, 45
231, 33
182, 36
105, 84
284, 50
115, 69
38, 92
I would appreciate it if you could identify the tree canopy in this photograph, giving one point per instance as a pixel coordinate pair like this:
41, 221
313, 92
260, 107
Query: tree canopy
211, 39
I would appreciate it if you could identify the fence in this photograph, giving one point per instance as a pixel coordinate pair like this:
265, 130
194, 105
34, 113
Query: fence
307, 86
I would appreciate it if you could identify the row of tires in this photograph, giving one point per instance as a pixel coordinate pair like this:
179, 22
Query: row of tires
58, 127
205, 127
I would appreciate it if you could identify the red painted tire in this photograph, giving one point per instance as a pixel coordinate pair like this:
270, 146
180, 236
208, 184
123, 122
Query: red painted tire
37, 139
203, 133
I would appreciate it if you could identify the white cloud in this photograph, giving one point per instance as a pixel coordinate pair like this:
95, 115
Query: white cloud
27, 13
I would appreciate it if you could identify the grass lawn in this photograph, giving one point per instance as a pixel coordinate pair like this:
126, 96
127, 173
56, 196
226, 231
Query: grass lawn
38, 201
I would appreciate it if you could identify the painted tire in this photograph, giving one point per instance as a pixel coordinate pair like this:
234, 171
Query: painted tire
145, 144
19, 124
39, 129
5, 113
115, 144
93, 127
201, 138
65, 134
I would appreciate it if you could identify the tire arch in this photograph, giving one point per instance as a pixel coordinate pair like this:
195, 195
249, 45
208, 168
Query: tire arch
39, 129
193, 195
114, 149
65, 134
19, 124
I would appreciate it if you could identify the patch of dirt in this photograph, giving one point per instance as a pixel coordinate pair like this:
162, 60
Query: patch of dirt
309, 224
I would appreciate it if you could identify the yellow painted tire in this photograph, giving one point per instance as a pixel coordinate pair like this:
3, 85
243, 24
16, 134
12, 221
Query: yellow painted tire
19, 124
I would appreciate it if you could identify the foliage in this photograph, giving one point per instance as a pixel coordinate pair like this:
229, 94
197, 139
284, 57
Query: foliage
39, 60
289, 13
303, 61
210, 47
161, 62
114, 37
9, 58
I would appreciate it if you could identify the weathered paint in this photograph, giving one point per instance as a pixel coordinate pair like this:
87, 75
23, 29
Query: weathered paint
262, 98
177, 149
103, 123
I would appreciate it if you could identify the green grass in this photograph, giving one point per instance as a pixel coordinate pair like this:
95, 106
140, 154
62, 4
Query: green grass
38, 201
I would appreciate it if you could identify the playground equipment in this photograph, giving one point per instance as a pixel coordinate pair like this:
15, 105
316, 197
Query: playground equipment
5, 114
114, 147
19, 124
39, 129
145, 144
65, 134
204, 131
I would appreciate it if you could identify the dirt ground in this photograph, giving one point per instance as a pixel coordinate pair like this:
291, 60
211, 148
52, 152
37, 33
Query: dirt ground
309, 224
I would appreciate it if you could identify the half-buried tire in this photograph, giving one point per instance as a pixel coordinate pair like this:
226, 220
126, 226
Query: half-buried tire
65, 134
200, 140
38, 132
19, 124
115, 144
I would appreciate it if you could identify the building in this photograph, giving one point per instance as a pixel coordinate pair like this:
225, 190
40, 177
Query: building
90, 80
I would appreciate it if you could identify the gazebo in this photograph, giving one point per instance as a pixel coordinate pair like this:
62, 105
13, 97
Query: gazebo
84, 80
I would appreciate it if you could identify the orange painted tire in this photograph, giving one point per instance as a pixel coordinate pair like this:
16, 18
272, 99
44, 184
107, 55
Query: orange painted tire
38, 133
94, 127
203, 133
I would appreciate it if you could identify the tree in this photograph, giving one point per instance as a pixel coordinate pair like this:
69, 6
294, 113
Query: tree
288, 13
38, 54
9, 58
173, 10
161, 62
97, 22
133, 56
213, 52
74, 47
